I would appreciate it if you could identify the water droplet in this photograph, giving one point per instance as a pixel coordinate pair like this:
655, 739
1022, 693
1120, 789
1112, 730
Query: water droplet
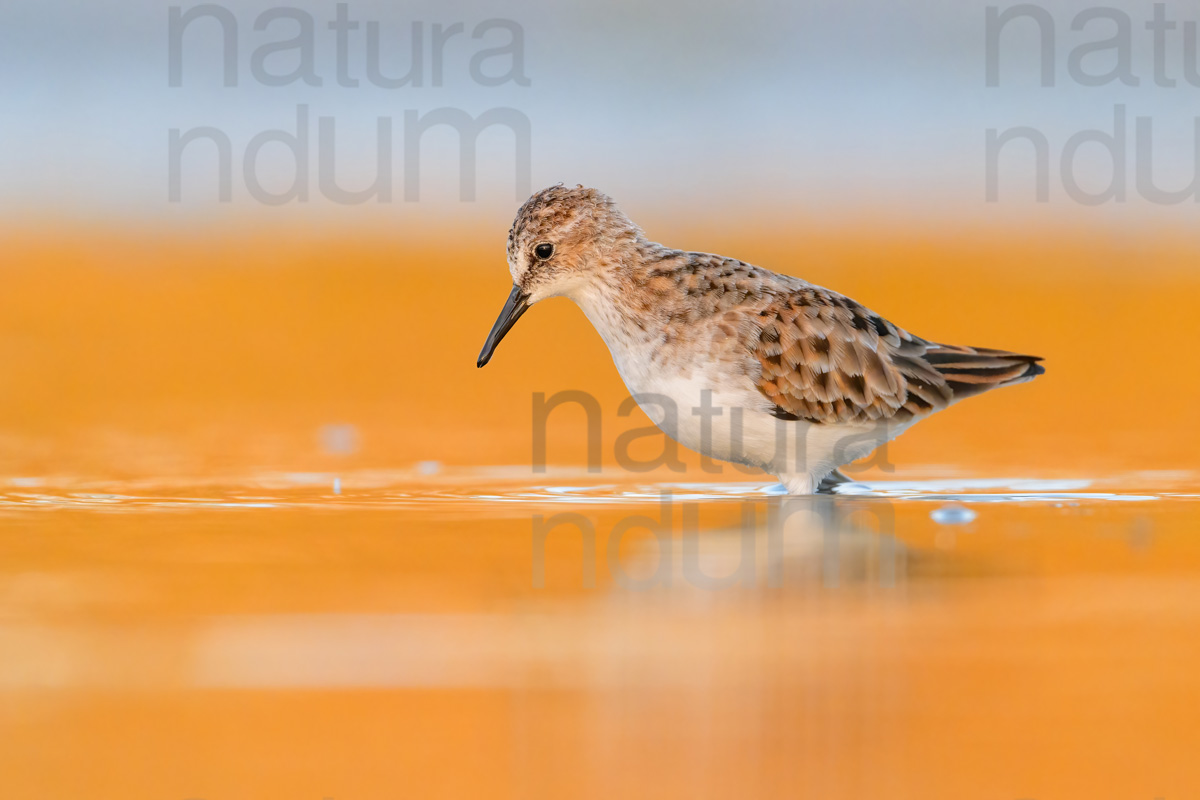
339, 440
26, 482
952, 515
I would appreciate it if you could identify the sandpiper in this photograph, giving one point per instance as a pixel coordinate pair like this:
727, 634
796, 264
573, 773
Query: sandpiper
733, 360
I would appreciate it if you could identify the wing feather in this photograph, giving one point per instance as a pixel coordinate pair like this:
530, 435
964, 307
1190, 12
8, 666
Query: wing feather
826, 359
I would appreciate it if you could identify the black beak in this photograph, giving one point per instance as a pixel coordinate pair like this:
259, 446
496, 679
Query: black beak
516, 305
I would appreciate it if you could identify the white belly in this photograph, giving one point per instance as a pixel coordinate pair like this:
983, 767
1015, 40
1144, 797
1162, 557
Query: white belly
704, 412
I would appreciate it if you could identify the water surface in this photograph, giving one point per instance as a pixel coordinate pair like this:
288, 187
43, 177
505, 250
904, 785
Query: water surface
264, 636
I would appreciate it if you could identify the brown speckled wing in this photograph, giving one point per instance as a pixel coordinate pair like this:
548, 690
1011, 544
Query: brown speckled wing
827, 359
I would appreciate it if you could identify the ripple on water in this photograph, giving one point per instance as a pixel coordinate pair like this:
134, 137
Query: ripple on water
408, 490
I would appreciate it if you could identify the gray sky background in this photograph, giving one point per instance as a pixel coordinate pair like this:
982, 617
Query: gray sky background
819, 108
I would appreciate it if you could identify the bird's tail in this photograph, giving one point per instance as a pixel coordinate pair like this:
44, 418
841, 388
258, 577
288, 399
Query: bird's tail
973, 370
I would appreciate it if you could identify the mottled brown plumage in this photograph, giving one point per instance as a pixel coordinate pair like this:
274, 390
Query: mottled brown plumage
825, 358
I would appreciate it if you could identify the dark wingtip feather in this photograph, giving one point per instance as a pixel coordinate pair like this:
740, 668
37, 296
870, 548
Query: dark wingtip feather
970, 371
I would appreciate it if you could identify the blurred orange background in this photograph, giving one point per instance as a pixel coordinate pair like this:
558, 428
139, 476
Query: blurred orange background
266, 533
133, 353
198, 652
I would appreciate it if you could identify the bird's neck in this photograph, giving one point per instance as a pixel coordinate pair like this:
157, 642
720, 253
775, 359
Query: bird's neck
628, 302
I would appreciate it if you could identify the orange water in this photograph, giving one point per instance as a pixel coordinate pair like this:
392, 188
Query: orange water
191, 607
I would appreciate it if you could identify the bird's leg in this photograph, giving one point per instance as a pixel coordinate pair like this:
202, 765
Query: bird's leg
829, 484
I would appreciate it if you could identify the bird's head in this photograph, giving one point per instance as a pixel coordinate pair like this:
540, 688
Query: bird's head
561, 241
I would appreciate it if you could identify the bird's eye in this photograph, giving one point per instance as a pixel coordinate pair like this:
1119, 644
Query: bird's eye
544, 250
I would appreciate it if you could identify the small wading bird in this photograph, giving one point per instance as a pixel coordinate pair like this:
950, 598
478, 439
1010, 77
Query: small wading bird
730, 359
